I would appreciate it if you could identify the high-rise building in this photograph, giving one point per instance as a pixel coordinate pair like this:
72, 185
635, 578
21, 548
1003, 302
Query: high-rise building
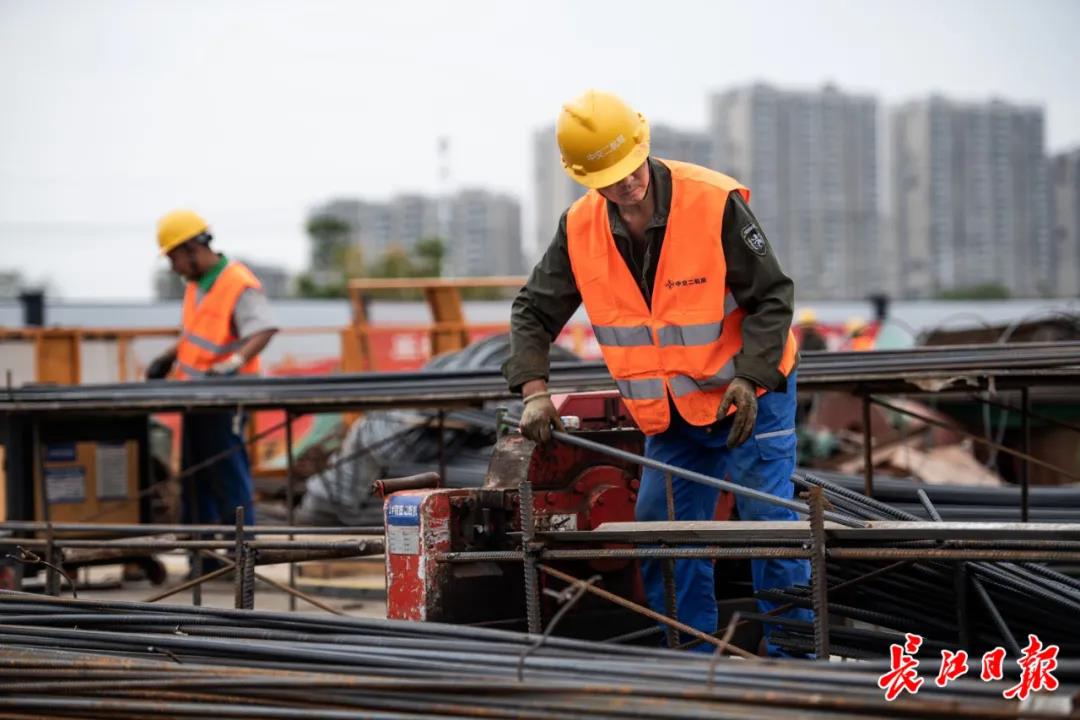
686, 145
810, 161
485, 235
11, 283
555, 190
970, 202
276, 281
375, 227
1065, 228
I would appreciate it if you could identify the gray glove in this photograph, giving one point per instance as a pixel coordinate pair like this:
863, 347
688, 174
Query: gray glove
741, 393
539, 416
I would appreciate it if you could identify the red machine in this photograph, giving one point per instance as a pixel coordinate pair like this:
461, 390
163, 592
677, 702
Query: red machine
573, 489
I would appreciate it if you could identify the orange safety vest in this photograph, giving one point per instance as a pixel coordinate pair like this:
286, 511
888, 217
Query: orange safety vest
685, 344
862, 343
208, 335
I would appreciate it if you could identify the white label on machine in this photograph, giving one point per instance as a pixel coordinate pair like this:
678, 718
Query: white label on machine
564, 522
112, 471
65, 484
403, 539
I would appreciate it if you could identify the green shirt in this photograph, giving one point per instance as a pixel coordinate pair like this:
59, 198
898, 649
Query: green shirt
754, 278
207, 281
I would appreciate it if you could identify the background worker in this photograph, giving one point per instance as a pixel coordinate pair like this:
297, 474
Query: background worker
226, 323
860, 335
693, 315
810, 337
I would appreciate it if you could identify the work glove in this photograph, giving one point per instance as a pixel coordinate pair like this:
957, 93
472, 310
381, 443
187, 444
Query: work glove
160, 367
740, 393
539, 415
229, 366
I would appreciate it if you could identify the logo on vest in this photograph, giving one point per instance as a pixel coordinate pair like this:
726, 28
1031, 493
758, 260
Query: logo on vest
672, 284
754, 239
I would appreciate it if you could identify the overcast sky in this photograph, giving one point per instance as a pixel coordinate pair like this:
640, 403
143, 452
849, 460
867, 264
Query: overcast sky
252, 112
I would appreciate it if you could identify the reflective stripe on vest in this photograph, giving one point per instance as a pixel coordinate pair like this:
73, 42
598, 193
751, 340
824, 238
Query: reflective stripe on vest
623, 336
685, 342
208, 336
689, 335
205, 344
188, 370
641, 389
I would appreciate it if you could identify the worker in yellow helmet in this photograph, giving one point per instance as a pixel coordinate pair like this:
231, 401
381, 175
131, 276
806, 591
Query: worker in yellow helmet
860, 335
810, 337
693, 315
226, 324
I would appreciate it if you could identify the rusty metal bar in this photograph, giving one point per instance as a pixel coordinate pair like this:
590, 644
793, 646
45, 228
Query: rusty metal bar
442, 444
290, 511
1025, 467
819, 579
530, 558
868, 449
193, 583
799, 553
670, 593
647, 612
52, 579
952, 554
247, 570
238, 554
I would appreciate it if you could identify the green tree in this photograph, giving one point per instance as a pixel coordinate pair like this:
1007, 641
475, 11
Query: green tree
334, 259
329, 241
430, 252
394, 263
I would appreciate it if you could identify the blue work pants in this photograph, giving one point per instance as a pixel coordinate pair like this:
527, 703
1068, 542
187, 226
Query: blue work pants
764, 462
212, 494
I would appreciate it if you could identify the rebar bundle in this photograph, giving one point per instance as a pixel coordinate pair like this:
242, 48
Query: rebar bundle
1034, 363
967, 605
64, 658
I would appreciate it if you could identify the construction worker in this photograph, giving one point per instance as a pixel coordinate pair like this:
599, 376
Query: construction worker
810, 337
692, 313
226, 324
860, 335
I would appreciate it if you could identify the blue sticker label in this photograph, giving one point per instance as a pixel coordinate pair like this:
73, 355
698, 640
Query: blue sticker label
60, 452
404, 510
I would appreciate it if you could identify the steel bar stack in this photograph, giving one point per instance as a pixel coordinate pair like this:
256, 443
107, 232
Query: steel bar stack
65, 658
974, 606
901, 370
964, 503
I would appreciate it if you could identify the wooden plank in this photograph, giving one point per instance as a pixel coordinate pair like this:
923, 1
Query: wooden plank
421, 283
58, 357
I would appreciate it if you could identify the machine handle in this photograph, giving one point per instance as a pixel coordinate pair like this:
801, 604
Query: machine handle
389, 486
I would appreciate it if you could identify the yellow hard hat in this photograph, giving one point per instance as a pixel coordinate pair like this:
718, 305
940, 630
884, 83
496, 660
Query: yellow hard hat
177, 227
807, 317
854, 325
601, 138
